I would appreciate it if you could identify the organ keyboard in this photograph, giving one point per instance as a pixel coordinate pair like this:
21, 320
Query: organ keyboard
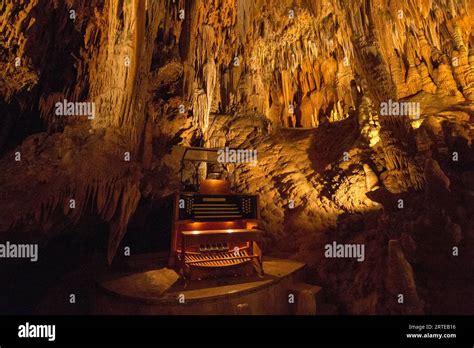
215, 232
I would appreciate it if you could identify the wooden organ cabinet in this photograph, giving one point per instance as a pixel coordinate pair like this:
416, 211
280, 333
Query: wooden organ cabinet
215, 233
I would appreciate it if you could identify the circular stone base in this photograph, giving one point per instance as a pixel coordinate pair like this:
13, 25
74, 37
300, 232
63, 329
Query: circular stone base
161, 291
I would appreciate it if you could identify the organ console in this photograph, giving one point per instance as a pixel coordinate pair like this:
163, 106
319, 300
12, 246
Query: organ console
214, 232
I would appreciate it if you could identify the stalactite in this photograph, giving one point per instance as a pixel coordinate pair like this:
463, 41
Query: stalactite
148, 145
426, 81
414, 82
398, 76
446, 84
130, 197
399, 146
18, 73
119, 89
368, 121
469, 90
200, 110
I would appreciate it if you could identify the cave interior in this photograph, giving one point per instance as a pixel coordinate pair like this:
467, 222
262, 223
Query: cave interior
324, 124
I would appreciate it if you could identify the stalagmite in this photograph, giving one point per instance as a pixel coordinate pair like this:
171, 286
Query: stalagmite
371, 179
401, 279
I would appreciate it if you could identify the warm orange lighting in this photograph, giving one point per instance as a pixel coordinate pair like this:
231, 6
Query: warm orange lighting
214, 186
195, 232
251, 225
214, 181
229, 230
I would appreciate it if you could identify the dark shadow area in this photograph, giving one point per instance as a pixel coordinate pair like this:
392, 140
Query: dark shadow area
330, 141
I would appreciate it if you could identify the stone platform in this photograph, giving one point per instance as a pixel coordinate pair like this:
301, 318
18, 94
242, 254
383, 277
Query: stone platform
158, 292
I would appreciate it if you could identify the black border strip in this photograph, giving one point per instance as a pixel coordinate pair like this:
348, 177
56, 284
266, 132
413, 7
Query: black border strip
225, 330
